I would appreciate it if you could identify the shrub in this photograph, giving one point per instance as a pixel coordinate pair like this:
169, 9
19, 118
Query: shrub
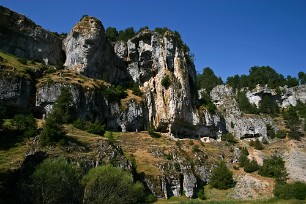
270, 131
256, 144
80, 124
63, 107
274, 167
251, 166
56, 181
165, 82
244, 151
195, 149
201, 194
243, 160
229, 138
177, 166
111, 185
22, 61
150, 198
96, 128
136, 90
52, 131
222, 177
286, 191
281, 134
27, 124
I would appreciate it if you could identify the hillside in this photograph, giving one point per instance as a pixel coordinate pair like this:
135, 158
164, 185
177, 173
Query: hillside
135, 102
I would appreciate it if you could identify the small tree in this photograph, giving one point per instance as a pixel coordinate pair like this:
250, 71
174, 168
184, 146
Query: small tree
56, 181
274, 167
52, 131
222, 177
111, 185
63, 107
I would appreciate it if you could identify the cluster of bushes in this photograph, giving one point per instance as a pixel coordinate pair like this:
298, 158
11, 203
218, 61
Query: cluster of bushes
222, 177
248, 165
165, 82
293, 122
58, 181
94, 128
296, 190
229, 138
256, 144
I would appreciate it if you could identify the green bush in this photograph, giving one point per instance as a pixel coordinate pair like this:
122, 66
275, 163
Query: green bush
244, 151
222, 177
22, 61
63, 108
229, 138
274, 167
201, 194
56, 181
286, 191
256, 144
80, 124
96, 128
177, 166
151, 198
251, 166
26, 124
52, 131
111, 185
270, 131
165, 82
281, 134
243, 160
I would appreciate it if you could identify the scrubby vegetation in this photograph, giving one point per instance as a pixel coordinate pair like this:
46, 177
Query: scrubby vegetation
222, 177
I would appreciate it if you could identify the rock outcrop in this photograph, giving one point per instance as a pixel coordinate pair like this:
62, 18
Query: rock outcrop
89, 52
22, 37
16, 91
284, 96
240, 125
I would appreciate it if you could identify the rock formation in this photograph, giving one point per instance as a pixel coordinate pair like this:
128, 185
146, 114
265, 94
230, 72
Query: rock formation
22, 37
242, 126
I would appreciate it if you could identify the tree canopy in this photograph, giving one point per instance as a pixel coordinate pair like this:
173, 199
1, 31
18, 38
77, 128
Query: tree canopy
208, 80
264, 75
111, 185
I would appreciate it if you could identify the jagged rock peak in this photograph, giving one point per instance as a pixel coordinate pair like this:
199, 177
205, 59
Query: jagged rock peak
88, 25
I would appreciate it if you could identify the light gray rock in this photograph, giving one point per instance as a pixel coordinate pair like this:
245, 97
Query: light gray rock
238, 124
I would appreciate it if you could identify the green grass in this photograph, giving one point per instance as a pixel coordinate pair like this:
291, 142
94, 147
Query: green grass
17, 67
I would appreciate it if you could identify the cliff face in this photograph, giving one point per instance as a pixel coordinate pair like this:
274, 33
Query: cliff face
285, 97
240, 125
88, 52
22, 37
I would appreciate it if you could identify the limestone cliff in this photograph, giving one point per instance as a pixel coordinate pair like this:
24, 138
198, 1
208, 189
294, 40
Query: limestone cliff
89, 52
242, 126
284, 97
22, 37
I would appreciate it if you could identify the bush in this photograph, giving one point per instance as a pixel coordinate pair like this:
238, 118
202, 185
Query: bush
63, 107
229, 138
281, 134
286, 191
56, 181
165, 82
150, 198
243, 160
201, 194
96, 128
26, 124
177, 166
111, 185
52, 131
274, 167
22, 61
222, 177
256, 144
244, 151
251, 166
80, 124
270, 131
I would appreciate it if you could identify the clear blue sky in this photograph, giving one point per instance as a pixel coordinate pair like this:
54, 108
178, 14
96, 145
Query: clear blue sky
230, 36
